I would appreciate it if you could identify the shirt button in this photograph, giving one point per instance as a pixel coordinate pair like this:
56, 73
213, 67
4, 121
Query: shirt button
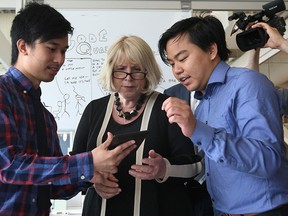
82, 177
33, 200
207, 173
199, 143
213, 200
221, 160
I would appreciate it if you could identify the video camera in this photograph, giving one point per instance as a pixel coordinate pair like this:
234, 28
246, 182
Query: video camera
257, 37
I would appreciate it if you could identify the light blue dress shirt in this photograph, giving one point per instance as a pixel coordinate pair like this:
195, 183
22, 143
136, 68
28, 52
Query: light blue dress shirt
239, 127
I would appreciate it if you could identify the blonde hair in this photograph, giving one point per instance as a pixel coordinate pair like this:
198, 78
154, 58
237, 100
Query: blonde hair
136, 50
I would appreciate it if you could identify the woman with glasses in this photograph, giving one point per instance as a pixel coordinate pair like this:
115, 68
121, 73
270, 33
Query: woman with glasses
152, 180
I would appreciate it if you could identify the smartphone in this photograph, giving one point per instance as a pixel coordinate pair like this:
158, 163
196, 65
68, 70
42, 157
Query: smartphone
118, 139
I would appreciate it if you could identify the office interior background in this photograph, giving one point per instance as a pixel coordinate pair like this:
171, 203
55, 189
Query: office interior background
272, 62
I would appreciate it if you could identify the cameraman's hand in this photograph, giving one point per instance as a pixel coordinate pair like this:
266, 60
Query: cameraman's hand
276, 40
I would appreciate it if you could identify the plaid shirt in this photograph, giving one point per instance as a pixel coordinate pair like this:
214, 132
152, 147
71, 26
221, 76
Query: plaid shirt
21, 169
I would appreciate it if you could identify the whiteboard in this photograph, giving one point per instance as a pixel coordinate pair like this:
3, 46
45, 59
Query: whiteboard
76, 84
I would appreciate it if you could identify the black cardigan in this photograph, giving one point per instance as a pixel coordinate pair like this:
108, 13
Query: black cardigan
168, 198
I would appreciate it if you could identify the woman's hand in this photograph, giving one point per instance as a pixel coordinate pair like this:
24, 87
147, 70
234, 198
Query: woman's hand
153, 167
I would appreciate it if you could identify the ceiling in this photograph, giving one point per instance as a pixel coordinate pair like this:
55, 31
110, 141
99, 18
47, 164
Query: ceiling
176, 4
195, 4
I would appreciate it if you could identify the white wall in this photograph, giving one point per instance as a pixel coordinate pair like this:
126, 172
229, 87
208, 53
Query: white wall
5, 51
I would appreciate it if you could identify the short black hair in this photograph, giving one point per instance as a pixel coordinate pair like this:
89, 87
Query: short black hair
202, 31
37, 21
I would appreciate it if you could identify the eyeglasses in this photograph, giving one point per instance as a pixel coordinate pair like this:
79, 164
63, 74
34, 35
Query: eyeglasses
134, 75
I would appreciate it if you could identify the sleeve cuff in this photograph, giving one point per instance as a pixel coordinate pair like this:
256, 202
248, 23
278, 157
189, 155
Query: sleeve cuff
180, 171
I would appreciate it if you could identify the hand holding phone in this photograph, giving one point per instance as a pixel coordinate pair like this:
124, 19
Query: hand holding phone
118, 139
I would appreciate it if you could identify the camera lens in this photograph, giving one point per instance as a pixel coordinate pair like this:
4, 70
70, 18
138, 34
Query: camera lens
251, 39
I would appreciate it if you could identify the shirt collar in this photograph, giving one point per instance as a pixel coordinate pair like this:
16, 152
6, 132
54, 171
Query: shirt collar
218, 76
21, 78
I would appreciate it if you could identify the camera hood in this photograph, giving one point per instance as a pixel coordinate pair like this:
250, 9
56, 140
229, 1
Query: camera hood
251, 39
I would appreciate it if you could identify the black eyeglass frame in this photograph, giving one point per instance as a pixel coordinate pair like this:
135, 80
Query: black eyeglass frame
129, 74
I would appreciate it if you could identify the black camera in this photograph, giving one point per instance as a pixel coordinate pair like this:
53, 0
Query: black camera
257, 37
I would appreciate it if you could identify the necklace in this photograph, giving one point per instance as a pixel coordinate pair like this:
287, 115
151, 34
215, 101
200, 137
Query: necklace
132, 113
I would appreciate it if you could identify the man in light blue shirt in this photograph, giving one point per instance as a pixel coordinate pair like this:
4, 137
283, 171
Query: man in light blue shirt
237, 123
